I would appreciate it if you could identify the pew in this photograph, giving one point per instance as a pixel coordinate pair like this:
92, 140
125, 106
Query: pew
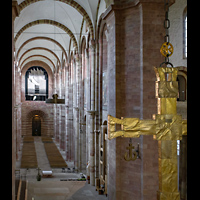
53, 154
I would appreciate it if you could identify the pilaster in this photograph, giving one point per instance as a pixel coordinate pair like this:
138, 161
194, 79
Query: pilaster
77, 139
92, 147
15, 13
83, 145
63, 128
134, 33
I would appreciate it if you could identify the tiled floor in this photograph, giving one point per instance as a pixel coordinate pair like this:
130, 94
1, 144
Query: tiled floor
53, 188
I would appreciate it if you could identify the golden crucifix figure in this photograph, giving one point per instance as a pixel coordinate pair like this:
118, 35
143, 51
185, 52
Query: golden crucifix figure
167, 128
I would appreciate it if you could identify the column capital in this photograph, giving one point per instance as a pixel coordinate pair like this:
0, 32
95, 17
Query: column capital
82, 123
78, 57
86, 53
76, 108
91, 112
92, 44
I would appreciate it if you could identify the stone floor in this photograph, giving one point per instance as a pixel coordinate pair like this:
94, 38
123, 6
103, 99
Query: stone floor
43, 162
62, 190
55, 188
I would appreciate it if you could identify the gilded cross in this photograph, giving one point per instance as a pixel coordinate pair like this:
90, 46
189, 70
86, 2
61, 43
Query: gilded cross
167, 127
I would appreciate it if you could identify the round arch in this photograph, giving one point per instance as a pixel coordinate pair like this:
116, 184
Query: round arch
32, 113
50, 22
38, 56
36, 120
83, 42
36, 63
41, 38
38, 48
74, 4
182, 78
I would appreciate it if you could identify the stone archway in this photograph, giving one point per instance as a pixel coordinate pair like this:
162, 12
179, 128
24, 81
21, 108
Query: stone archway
36, 126
36, 120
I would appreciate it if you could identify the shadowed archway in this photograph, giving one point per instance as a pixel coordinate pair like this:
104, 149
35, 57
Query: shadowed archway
36, 126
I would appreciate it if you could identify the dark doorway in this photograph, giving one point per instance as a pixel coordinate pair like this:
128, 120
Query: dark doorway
36, 126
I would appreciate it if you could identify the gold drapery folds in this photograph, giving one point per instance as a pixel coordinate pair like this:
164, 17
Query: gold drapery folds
165, 127
168, 125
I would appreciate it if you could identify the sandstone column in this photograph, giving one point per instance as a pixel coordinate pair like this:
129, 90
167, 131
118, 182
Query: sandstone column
92, 114
15, 13
83, 145
77, 148
69, 113
62, 127
54, 105
57, 106
77, 112
97, 127
87, 104
63, 130
92, 147
66, 111
17, 107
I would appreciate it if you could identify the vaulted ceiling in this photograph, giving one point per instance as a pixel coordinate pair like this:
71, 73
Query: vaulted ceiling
49, 30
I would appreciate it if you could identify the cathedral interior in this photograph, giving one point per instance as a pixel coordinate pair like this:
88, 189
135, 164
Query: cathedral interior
96, 97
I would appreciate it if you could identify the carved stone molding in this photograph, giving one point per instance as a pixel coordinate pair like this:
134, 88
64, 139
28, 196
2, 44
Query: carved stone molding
91, 112
15, 9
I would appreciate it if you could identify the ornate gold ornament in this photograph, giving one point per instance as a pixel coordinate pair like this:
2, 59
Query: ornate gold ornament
166, 49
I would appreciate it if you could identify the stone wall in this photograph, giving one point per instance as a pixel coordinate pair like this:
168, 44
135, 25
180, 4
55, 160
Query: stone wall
176, 13
135, 34
31, 108
45, 112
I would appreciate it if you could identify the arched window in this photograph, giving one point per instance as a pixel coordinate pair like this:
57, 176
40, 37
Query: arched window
181, 88
185, 33
36, 84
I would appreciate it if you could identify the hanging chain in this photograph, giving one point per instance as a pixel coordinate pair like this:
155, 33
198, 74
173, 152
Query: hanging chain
166, 49
166, 21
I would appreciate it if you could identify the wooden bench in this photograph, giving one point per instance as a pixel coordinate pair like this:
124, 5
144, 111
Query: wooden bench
53, 154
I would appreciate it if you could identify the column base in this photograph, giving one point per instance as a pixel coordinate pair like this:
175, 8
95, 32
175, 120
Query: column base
168, 195
92, 179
